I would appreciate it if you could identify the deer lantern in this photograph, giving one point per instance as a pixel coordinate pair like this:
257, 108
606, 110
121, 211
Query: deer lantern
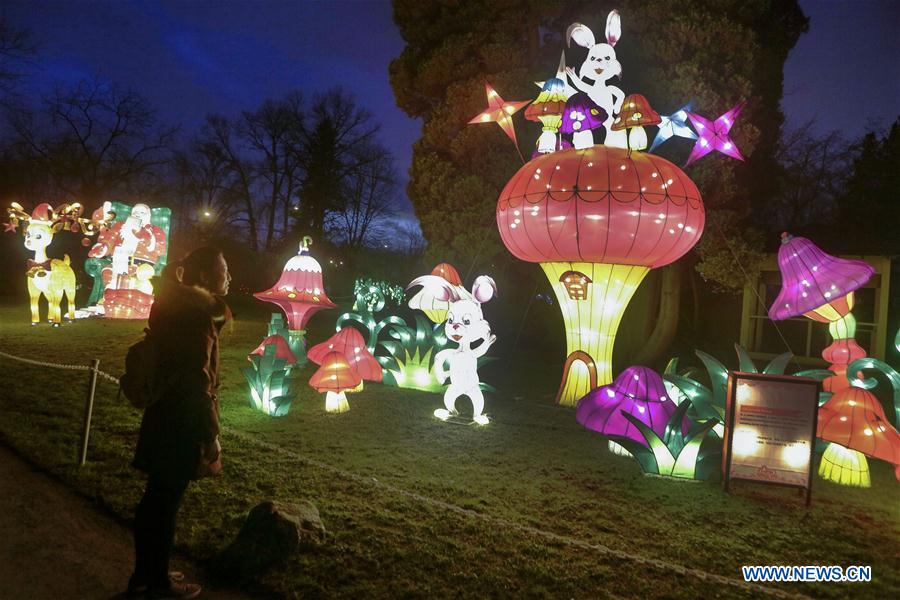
53, 278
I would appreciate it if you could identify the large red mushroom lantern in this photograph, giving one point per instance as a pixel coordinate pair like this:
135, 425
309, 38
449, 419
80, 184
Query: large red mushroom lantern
597, 220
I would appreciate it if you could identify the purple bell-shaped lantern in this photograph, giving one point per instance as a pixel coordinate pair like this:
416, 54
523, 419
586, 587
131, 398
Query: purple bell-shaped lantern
820, 287
638, 391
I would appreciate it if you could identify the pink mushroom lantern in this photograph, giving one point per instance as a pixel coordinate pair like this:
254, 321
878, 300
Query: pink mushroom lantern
597, 220
300, 293
282, 350
853, 420
352, 346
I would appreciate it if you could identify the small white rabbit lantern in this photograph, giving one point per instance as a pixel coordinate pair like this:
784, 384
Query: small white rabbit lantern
465, 325
600, 66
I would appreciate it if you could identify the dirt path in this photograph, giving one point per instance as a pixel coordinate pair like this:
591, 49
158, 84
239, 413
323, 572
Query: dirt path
54, 544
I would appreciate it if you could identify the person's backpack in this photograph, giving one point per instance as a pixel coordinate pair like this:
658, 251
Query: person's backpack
138, 383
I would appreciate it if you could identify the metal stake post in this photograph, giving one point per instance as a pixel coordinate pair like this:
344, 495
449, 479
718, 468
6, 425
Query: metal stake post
88, 410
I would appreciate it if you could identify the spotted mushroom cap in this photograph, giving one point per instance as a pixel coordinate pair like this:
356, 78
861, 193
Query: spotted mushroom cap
810, 278
600, 205
582, 113
300, 291
636, 112
855, 419
638, 391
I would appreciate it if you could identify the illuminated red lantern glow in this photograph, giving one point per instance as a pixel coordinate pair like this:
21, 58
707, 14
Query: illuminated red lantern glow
610, 218
282, 350
300, 291
335, 377
352, 346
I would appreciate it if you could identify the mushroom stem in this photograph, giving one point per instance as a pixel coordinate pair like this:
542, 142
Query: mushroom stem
547, 141
336, 402
841, 352
582, 140
591, 323
637, 138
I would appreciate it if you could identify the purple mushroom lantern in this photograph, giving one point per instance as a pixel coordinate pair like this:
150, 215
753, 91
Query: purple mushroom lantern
820, 287
580, 117
638, 391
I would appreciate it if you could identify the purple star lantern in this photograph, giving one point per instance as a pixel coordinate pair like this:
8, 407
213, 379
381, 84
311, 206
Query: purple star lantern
714, 136
638, 391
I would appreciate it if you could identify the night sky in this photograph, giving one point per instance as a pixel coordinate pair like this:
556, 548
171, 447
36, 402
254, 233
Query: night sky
193, 58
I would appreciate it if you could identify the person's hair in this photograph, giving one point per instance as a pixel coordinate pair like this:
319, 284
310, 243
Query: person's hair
198, 262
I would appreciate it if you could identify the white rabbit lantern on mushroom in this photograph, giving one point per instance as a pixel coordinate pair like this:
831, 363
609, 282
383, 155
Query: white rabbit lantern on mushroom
600, 66
465, 325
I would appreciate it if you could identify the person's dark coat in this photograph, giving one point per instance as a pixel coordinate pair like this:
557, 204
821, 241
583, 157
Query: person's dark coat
184, 322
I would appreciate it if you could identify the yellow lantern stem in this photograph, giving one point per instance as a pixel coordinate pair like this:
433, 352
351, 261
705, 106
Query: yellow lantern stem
844, 466
591, 323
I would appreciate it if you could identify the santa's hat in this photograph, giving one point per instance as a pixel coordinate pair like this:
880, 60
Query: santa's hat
42, 213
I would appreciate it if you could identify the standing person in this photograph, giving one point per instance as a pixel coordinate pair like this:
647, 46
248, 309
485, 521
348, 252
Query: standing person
179, 433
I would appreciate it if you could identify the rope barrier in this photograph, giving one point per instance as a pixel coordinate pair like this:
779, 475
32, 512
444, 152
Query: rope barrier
69, 367
466, 512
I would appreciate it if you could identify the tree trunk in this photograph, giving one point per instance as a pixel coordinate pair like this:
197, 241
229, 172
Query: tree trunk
666, 319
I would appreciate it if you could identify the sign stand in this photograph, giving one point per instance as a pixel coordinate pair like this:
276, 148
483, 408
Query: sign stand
770, 430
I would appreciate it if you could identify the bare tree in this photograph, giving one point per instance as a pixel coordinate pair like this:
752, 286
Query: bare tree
338, 129
814, 174
208, 197
274, 133
93, 140
16, 53
367, 199
218, 137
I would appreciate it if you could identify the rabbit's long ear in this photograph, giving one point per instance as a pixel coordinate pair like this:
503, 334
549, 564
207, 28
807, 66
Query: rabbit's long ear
583, 36
613, 27
484, 289
438, 286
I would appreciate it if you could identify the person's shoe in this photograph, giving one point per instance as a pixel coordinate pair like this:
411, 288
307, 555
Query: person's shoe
176, 591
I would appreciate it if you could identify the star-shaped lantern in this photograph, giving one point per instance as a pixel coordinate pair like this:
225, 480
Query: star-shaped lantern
500, 111
674, 125
714, 136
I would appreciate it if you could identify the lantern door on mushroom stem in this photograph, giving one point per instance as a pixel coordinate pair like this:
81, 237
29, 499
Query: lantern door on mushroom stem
128, 253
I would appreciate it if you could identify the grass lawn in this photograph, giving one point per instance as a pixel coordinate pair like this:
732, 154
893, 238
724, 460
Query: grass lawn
533, 468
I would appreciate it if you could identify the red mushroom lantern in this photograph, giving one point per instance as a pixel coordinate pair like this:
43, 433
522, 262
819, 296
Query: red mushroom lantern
282, 350
350, 343
597, 220
855, 424
299, 292
335, 377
